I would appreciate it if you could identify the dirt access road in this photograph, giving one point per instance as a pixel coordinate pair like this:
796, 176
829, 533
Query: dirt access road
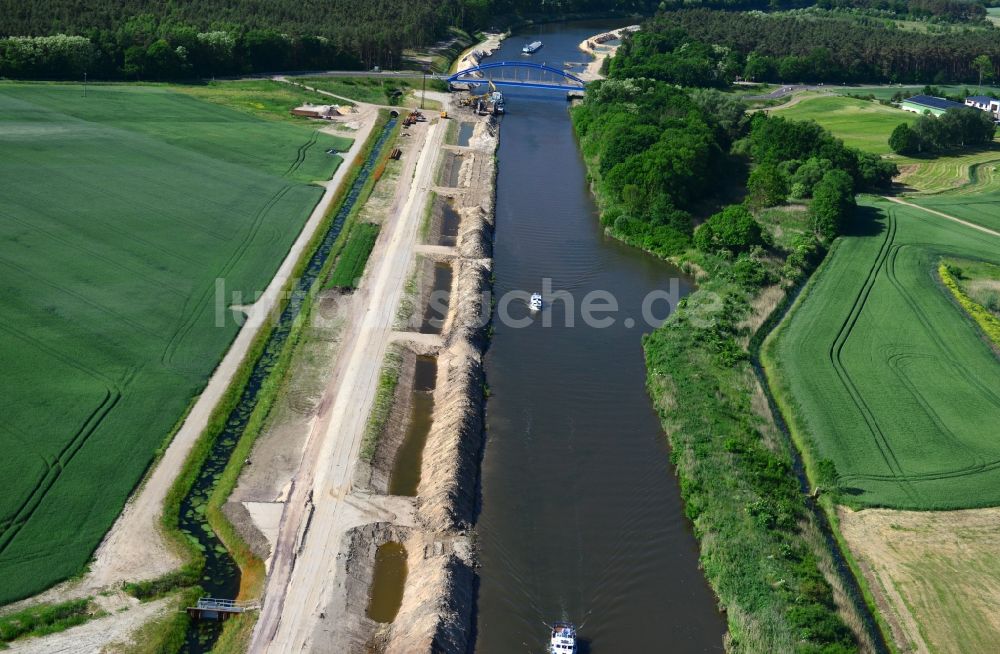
321, 506
985, 230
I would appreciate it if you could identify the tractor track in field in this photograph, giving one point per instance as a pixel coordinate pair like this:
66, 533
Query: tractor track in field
889, 264
93, 254
114, 392
943, 346
191, 319
942, 343
837, 348
82, 298
300, 155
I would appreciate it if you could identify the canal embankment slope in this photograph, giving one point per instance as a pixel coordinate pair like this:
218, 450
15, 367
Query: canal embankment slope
318, 510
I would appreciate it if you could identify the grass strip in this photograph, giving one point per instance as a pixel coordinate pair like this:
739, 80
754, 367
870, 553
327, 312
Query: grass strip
425, 223
164, 634
382, 406
351, 264
987, 322
45, 619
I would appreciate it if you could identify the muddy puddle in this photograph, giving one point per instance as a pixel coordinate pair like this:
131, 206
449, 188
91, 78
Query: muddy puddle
450, 168
409, 459
388, 581
450, 222
437, 304
465, 133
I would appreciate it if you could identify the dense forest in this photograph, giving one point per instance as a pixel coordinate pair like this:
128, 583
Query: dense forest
146, 39
936, 10
812, 47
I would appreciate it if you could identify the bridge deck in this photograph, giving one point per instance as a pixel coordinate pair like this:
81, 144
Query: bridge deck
213, 608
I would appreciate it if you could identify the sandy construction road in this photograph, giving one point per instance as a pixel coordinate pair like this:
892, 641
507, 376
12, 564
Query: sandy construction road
321, 506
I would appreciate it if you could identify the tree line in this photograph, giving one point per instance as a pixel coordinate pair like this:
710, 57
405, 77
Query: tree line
147, 39
822, 48
660, 152
955, 128
937, 10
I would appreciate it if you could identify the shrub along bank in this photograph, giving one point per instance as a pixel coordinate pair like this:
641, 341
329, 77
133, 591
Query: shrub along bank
760, 545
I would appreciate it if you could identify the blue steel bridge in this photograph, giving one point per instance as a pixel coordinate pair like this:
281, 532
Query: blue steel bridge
523, 74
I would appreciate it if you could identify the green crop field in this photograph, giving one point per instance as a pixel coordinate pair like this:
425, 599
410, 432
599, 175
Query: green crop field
375, 90
982, 208
973, 173
859, 123
882, 373
120, 211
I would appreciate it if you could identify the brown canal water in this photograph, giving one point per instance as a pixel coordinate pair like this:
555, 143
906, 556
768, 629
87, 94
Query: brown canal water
581, 515
437, 305
388, 581
409, 459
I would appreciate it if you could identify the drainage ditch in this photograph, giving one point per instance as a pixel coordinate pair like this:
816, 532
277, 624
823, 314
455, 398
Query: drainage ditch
450, 222
465, 133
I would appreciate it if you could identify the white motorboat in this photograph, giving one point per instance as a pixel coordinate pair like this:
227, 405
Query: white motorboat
563, 638
536, 302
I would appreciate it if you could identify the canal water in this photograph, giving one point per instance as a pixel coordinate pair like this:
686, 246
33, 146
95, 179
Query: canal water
581, 516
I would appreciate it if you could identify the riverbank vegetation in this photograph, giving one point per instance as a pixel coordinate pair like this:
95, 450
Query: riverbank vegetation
652, 149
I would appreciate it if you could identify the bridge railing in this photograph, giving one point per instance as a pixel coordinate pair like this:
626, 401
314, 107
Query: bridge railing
483, 73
